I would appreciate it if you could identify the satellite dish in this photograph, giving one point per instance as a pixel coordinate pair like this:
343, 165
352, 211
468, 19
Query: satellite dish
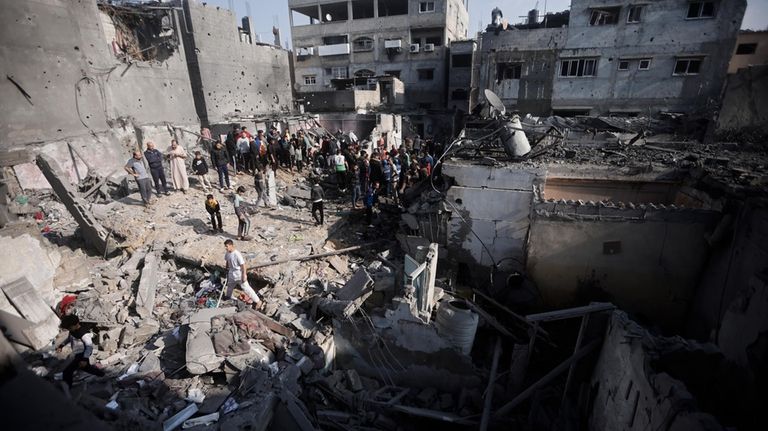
494, 100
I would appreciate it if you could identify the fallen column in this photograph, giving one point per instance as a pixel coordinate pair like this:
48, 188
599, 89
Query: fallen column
95, 235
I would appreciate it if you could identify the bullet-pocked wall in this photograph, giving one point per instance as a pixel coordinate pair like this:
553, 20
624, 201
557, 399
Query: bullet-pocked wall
72, 68
232, 75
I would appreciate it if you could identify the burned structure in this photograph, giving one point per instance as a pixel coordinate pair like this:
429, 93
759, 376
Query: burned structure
534, 272
612, 58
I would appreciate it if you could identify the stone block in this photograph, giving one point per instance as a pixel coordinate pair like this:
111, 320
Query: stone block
145, 294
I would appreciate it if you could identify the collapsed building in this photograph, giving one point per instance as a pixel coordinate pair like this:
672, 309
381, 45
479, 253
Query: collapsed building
588, 273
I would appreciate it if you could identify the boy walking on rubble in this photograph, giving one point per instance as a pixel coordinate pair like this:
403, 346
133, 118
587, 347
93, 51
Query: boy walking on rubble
81, 341
317, 194
237, 274
214, 209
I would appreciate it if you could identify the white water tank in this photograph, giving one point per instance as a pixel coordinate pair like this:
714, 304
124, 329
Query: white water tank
457, 323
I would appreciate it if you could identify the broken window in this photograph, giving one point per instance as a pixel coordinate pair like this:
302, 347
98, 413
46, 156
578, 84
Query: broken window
688, 66
634, 14
746, 49
645, 64
509, 71
623, 64
605, 16
701, 9
579, 67
334, 12
461, 60
335, 40
393, 7
305, 16
426, 6
139, 34
426, 74
362, 9
459, 94
338, 72
395, 73
362, 44
310, 79
434, 40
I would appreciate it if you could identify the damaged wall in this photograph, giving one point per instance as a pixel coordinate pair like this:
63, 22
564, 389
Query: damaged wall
744, 106
231, 77
59, 54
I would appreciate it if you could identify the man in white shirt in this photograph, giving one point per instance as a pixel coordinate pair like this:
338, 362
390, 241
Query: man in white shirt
237, 274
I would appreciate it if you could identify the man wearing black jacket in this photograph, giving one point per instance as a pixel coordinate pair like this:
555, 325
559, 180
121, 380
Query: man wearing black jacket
155, 160
219, 160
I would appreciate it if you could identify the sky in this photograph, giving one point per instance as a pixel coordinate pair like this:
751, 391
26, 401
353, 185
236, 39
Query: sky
266, 13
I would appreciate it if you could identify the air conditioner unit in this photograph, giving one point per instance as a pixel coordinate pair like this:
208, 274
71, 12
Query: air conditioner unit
396, 43
429, 47
414, 48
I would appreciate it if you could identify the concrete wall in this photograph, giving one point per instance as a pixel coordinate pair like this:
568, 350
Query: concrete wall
627, 393
760, 57
230, 77
59, 53
663, 34
744, 105
646, 262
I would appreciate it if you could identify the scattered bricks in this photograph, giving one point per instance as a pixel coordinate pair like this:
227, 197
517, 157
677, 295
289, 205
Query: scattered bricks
127, 336
353, 381
122, 316
303, 325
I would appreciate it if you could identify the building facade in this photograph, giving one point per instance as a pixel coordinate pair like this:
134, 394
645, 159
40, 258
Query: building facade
614, 57
406, 39
751, 50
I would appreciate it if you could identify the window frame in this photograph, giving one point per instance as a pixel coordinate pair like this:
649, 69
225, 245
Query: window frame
700, 11
579, 68
426, 10
369, 47
624, 69
687, 72
639, 17
640, 64
307, 79
335, 75
515, 66
752, 45
595, 21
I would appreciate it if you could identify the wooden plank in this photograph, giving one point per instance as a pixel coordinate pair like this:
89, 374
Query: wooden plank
569, 313
312, 256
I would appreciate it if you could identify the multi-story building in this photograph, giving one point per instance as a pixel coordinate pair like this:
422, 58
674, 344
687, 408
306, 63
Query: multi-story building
407, 39
624, 57
751, 50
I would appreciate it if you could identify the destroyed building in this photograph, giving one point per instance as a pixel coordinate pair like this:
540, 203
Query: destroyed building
621, 57
544, 272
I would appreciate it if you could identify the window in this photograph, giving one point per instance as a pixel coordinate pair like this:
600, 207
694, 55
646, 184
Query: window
362, 44
395, 73
364, 73
701, 9
746, 48
335, 40
426, 74
334, 12
579, 67
338, 72
688, 66
645, 64
362, 9
509, 71
461, 60
623, 64
393, 7
426, 6
605, 16
634, 14
310, 79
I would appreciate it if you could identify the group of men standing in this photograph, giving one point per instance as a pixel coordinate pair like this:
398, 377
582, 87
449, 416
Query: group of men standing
175, 156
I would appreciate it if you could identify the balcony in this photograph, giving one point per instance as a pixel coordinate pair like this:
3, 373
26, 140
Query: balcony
336, 49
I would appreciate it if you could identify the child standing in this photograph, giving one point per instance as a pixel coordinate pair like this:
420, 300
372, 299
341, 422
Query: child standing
214, 209
201, 170
243, 222
81, 340
371, 198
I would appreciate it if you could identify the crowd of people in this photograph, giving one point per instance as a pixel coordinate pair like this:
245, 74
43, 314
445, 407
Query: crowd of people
363, 170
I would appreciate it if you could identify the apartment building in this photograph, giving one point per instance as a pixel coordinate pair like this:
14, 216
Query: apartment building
751, 50
621, 57
406, 39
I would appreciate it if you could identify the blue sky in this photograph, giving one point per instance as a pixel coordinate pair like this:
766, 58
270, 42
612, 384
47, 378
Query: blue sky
266, 13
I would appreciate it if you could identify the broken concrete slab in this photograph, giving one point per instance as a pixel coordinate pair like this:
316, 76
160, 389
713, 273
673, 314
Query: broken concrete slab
359, 285
31, 307
31, 259
145, 294
201, 356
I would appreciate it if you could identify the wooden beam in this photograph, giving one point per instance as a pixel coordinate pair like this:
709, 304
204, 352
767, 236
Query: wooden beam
485, 419
569, 313
313, 256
